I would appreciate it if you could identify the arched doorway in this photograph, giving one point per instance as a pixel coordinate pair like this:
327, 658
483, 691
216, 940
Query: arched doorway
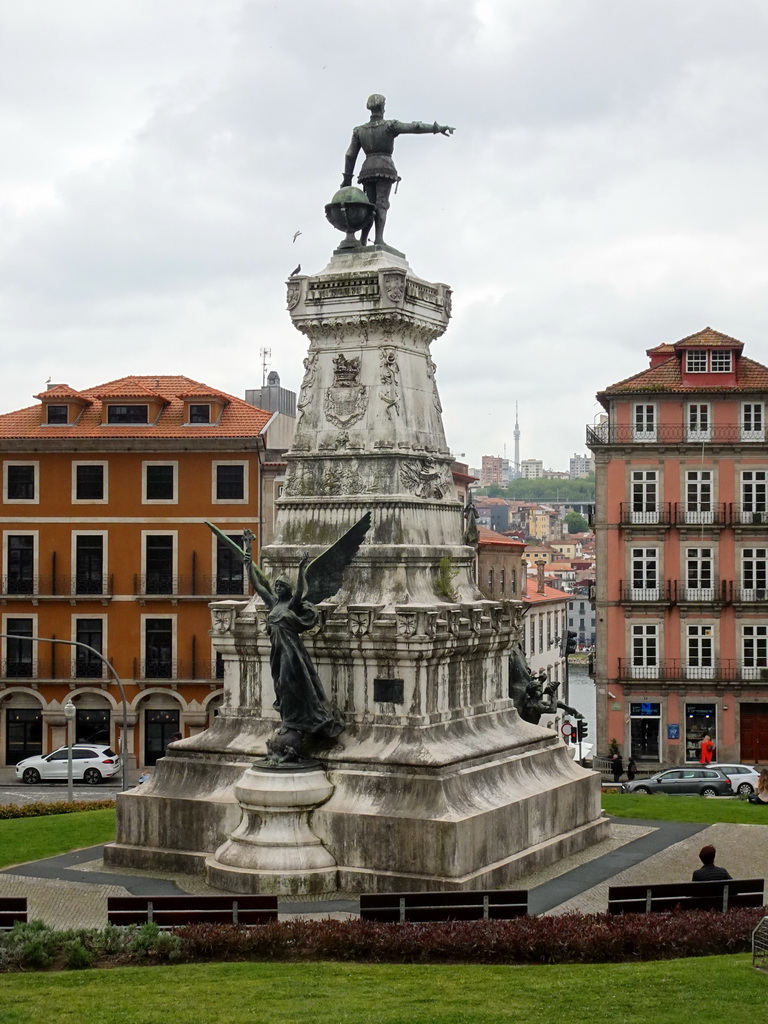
160, 717
23, 727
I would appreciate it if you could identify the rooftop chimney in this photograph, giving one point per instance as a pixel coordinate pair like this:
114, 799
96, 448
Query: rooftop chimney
540, 577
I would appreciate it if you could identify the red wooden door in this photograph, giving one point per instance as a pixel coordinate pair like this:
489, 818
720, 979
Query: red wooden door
754, 733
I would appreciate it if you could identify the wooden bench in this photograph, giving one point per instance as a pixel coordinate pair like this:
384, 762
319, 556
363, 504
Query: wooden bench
170, 911
443, 906
649, 899
12, 909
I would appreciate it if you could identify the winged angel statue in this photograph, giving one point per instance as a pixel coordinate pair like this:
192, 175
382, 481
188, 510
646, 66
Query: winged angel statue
304, 708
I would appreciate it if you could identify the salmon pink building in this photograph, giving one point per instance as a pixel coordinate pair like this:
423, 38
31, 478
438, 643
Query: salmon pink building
105, 493
681, 528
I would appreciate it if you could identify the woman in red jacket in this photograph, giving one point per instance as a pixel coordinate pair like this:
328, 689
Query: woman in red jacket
707, 750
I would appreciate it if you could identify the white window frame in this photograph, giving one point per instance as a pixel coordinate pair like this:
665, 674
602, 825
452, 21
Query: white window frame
104, 534
752, 421
174, 534
160, 501
35, 650
35, 556
104, 644
645, 584
699, 421
721, 355
644, 647
700, 650
754, 573
756, 482
696, 360
174, 644
699, 492
754, 638
215, 476
649, 514
644, 421
105, 477
699, 562
35, 464
199, 423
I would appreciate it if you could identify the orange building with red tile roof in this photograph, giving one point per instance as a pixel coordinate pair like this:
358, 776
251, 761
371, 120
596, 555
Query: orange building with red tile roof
105, 494
681, 530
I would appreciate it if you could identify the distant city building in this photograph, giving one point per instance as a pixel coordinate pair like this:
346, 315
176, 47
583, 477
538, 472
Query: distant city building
556, 474
581, 466
581, 619
531, 469
495, 470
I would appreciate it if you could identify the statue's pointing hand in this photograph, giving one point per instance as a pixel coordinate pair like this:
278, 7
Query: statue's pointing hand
445, 129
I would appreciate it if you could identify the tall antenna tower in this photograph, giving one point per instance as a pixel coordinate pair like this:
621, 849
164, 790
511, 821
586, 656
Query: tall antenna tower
517, 444
266, 355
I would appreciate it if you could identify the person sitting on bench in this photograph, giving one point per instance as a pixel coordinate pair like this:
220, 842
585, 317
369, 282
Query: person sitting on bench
709, 872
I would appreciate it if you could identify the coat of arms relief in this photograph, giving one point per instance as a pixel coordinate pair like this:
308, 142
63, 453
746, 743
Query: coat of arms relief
346, 398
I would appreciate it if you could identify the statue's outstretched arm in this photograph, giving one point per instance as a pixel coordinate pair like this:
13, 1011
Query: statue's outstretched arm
420, 128
301, 584
259, 581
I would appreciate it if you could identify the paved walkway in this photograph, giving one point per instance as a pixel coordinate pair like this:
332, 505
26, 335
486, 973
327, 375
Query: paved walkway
71, 890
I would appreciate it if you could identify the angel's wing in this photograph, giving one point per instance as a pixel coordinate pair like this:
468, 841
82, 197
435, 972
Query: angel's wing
243, 554
324, 573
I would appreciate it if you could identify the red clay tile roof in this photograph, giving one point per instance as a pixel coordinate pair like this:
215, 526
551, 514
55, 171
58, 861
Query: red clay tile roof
660, 349
709, 338
550, 594
666, 376
238, 418
63, 391
488, 538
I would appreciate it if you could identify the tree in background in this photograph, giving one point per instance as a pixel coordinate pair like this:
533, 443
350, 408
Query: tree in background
576, 522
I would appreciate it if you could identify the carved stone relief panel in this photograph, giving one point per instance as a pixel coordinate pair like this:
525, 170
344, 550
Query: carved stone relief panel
390, 380
346, 399
426, 478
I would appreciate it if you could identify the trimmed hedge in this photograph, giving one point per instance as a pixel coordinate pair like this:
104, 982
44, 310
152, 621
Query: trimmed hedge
569, 938
39, 809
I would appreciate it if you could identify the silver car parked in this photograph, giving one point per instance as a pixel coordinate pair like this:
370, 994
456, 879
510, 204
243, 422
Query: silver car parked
743, 778
707, 781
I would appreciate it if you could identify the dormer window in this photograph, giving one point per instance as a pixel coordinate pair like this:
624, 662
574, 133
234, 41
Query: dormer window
199, 413
696, 361
127, 414
56, 414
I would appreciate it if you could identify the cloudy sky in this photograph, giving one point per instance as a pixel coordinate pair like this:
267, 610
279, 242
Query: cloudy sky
606, 188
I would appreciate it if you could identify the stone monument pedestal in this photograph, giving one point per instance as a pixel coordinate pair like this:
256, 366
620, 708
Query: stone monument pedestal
273, 849
436, 780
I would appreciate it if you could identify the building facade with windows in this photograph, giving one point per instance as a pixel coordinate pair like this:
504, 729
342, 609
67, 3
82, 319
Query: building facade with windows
681, 527
105, 496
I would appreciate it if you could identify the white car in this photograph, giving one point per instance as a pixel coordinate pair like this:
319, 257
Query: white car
91, 763
743, 778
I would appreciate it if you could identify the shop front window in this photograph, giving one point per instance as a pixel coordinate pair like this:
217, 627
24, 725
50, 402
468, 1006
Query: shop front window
645, 719
700, 721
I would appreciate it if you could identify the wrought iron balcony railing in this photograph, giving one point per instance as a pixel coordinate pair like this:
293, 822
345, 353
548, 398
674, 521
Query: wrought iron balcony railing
658, 514
718, 670
670, 433
660, 593
701, 514
60, 585
168, 585
19, 668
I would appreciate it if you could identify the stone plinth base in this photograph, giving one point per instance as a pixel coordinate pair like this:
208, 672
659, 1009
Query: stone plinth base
469, 804
274, 849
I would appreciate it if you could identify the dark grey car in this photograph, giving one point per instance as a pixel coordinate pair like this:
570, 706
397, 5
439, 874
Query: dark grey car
697, 781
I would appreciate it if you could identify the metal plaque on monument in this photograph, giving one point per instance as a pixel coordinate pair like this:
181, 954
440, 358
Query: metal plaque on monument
414, 769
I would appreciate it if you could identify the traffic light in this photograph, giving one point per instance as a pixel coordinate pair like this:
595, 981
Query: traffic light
581, 729
570, 642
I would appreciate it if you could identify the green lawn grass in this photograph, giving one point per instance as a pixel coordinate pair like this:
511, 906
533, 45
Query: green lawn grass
667, 992
662, 807
24, 839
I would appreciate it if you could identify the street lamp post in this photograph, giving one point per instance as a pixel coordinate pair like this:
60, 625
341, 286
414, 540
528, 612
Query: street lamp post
69, 714
112, 672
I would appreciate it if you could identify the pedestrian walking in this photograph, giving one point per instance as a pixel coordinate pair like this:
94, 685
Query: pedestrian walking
707, 750
631, 769
617, 765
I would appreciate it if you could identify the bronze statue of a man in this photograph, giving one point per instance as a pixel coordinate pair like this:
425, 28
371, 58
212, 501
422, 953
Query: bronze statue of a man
378, 173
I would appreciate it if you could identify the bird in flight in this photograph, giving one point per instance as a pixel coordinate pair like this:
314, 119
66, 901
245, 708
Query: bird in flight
296, 235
